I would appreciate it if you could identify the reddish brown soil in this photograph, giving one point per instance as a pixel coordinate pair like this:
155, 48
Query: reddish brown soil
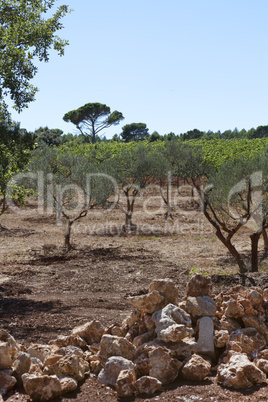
45, 292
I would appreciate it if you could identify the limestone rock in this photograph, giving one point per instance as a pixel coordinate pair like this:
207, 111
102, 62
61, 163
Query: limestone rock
69, 340
248, 307
41, 388
239, 372
221, 338
174, 314
68, 384
142, 366
199, 285
149, 323
87, 355
196, 368
132, 332
91, 332
182, 304
238, 290
112, 368
68, 366
227, 324
173, 333
149, 303
7, 382
130, 320
118, 331
163, 366
234, 309
256, 322
125, 383
255, 297
149, 347
21, 365
184, 349
70, 351
5, 356
112, 345
205, 343
147, 385
35, 368
166, 288
200, 306
40, 351
13, 346
248, 339
52, 359
229, 300
95, 364
261, 361
146, 337
172, 324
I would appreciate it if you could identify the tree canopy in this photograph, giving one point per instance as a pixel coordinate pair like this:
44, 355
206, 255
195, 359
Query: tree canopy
92, 118
15, 147
48, 137
75, 184
192, 134
234, 196
25, 34
134, 132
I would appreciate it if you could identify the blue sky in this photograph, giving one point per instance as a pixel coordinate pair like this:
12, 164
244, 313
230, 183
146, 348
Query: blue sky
175, 65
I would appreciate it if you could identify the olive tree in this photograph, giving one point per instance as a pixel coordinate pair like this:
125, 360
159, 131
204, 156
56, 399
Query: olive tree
75, 184
187, 162
163, 176
236, 201
233, 199
134, 168
188, 166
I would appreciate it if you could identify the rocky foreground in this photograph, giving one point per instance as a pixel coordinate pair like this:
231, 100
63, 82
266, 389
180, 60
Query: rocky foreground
161, 339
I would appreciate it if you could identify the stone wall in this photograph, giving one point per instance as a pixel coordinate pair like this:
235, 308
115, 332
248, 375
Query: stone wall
161, 340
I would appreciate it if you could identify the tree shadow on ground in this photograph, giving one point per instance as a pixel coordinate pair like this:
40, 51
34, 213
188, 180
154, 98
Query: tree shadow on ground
39, 257
15, 310
16, 232
137, 230
248, 280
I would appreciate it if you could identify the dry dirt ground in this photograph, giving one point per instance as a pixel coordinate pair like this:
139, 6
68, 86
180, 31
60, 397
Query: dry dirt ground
45, 292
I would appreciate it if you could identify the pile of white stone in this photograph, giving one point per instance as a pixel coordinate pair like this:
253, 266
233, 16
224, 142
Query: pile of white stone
161, 340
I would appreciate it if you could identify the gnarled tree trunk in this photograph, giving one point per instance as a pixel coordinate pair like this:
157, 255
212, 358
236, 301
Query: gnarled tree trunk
254, 250
67, 235
265, 239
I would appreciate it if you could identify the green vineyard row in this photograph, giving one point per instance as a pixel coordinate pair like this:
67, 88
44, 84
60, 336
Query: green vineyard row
215, 152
